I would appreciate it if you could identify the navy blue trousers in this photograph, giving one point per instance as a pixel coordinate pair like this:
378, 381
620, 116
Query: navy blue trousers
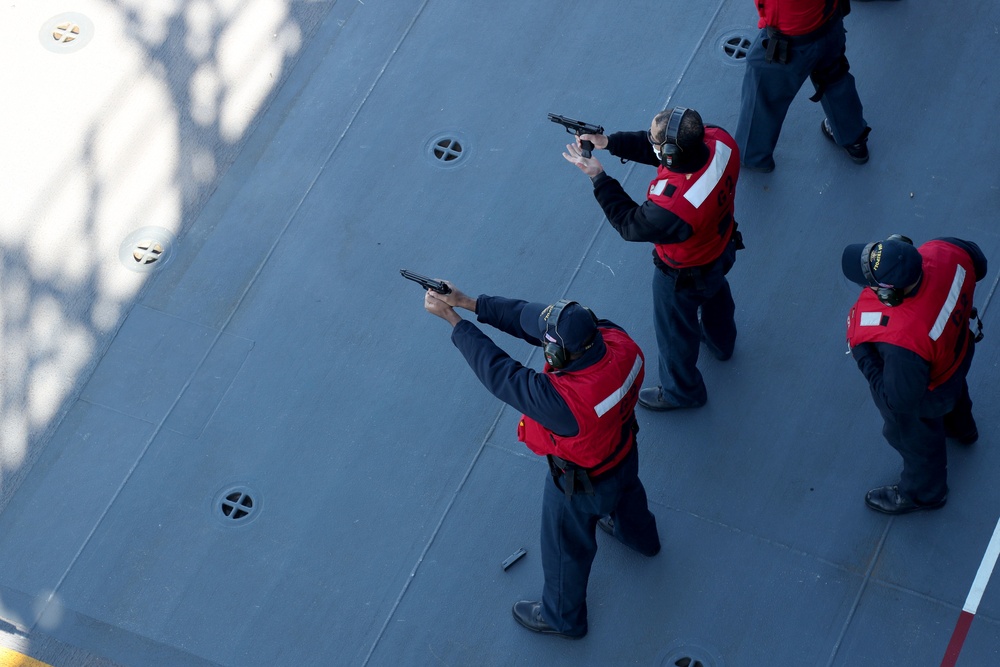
677, 302
769, 88
921, 443
569, 543
920, 438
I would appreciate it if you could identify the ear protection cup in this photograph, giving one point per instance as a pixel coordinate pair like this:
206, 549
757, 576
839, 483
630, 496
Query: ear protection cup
555, 353
890, 296
670, 150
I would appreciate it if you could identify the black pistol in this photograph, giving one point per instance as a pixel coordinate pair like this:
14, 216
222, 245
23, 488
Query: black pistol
578, 127
425, 282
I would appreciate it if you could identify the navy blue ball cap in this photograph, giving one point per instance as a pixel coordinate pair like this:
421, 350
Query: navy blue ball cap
575, 330
891, 263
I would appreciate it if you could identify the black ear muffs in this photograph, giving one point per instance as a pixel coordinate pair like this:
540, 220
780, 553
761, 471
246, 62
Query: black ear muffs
556, 354
669, 150
890, 296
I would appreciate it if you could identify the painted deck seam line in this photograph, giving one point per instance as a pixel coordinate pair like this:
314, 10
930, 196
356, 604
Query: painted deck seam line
832, 564
837, 566
434, 533
694, 52
90, 401
222, 329
861, 591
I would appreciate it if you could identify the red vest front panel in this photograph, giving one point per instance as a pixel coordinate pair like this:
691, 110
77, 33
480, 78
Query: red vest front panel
602, 397
934, 323
794, 17
704, 201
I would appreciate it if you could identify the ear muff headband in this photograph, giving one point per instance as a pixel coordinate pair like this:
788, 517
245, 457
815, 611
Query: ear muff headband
556, 354
670, 149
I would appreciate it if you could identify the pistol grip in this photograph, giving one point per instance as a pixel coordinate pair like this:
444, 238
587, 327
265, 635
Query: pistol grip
586, 147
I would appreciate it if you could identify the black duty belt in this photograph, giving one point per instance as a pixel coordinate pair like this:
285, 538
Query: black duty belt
778, 42
573, 475
695, 275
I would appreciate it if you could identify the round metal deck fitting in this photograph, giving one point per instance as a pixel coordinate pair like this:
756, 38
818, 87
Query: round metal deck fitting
236, 505
690, 654
147, 249
66, 33
447, 149
734, 46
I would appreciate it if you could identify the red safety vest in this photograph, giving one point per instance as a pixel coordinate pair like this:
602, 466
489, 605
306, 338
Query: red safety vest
602, 397
704, 201
934, 323
795, 17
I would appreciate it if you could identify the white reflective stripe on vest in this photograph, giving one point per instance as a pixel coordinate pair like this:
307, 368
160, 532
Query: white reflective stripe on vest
612, 400
949, 304
704, 186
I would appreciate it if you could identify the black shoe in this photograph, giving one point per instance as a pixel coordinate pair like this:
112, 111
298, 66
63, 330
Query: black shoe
888, 500
967, 438
651, 398
607, 524
716, 352
712, 349
858, 150
962, 431
529, 614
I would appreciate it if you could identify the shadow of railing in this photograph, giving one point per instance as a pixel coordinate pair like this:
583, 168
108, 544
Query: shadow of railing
198, 76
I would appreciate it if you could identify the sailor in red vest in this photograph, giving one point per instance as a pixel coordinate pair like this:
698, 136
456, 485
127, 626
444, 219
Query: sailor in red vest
799, 39
688, 217
910, 335
579, 412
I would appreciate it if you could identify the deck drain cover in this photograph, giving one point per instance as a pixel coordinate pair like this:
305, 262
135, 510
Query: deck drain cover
447, 149
690, 654
66, 33
237, 505
734, 46
147, 249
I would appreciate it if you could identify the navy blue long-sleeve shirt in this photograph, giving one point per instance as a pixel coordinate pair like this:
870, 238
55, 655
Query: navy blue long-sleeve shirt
646, 222
899, 377
524, 389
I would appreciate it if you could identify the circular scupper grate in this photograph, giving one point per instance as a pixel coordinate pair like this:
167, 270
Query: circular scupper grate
237, 505
66, 33
447, 149
688, 662
690, 654
734, 46
147, 249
